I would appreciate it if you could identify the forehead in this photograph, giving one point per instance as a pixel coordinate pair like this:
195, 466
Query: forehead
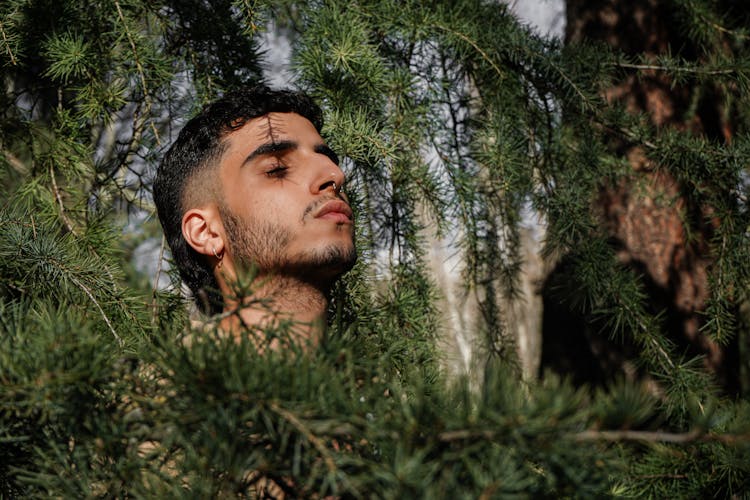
274, 127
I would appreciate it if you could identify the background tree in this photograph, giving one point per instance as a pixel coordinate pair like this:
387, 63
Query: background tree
664, 222
446, 126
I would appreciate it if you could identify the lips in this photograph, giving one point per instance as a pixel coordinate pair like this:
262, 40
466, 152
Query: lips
335, 210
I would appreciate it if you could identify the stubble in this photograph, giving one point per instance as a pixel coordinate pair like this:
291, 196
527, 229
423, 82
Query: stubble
262, 245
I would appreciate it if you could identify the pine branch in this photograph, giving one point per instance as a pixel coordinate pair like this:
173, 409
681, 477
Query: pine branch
715, 25
698, 70
90, 295
696, 435
297, 424
249, 7
58, 198
104, 315
466, 434
6, 42
584, 100
157, 276
396, 84
475, 46
139, 67
15, 163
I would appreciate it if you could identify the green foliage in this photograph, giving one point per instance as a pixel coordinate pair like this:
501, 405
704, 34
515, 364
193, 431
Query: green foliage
447, 128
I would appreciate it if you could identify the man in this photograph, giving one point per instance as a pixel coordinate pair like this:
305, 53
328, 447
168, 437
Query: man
250, 200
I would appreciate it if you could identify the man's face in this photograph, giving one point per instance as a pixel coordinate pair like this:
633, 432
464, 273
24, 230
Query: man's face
279, 202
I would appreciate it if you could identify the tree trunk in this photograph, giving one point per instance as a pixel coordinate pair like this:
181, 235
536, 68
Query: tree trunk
654, 227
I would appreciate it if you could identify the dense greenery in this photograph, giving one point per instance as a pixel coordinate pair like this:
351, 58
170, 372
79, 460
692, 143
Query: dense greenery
453, 118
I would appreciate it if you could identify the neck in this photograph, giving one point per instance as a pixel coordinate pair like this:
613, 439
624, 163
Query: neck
276, 301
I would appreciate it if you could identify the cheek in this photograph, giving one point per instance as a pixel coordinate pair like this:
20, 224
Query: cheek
278, 206
284, 209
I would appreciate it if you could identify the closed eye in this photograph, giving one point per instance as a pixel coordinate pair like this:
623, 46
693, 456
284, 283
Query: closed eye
278, 171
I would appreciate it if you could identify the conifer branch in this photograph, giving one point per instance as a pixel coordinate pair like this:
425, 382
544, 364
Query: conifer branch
248, 8
58, 197
369, 209
101, 311
661, 437
629, 135
646, 436
666, 361
676, 69
722, 29
727, 31
209, 80
139, 67
576, 88
6, 41
558, 138
69, 226
619, 435
475, 46
14, 162
77, 282
464, 434
136, 133
297, 424
662, 476
154, 302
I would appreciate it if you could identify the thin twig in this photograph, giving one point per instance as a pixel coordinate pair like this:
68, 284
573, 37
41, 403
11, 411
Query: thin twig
629, 135
661, 437
317, 443
580, 93
593, 435
722, 29
476, 47
96, 303
14, 162
156, 279
247, 11
139, 67
676, 69
664, 355
13, 60
462, 434
56, 191
646, 436
663, 476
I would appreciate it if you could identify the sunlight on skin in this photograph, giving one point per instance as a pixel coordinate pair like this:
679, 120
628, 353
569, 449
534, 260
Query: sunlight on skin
280, 218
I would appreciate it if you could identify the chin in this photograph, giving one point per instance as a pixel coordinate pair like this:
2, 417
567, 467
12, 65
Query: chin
342, 256
327, 263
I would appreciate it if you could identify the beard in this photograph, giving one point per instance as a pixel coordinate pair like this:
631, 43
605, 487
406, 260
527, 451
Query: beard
262, 245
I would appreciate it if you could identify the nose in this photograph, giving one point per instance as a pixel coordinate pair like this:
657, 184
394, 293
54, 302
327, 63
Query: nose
329, 177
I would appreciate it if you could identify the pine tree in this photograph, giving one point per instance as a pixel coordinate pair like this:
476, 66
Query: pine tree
659, 222
453, 118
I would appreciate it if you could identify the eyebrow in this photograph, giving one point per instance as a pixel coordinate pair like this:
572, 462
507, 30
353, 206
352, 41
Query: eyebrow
271, 148
274, 148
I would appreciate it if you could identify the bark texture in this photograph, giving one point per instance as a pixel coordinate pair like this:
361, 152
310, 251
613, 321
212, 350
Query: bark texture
653, 226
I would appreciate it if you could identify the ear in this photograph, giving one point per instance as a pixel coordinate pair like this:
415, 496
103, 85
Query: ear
203, 230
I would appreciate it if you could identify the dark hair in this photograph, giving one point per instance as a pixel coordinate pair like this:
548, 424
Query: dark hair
198, 147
